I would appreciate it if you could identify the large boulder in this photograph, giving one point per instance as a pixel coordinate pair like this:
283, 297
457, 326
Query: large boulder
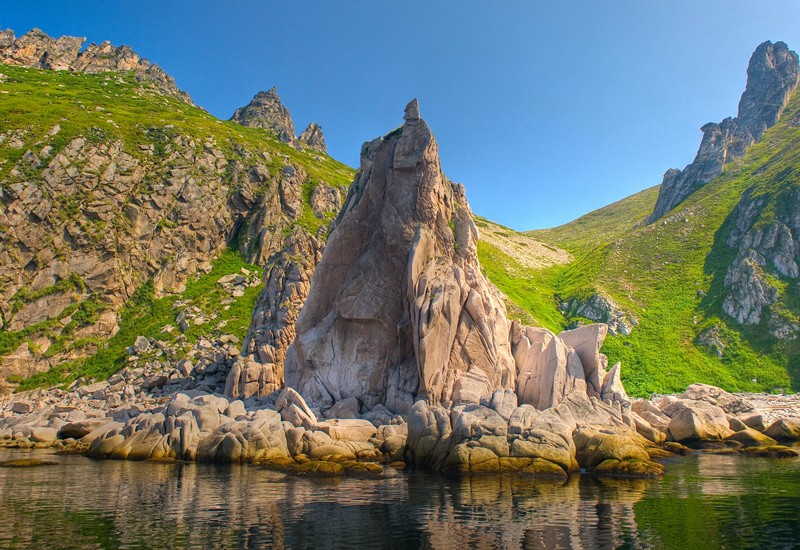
587, 341
729, 403
785, 429
695, 420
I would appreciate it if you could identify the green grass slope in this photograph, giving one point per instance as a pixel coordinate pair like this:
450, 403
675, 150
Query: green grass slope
48, 109
669, 275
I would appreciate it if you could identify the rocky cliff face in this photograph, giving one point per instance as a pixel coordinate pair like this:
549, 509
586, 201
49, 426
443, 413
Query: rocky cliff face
265, 110
93, 206
772, 77
36, 49
398, 306
767, 241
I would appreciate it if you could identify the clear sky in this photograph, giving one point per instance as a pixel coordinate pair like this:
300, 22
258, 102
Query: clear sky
544, 110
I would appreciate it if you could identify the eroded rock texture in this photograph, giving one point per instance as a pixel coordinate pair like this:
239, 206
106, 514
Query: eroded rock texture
772, 77
313, 138
265, 110
398, 307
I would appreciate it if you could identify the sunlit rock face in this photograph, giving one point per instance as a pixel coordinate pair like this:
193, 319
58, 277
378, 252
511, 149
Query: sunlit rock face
398, 307
772, 77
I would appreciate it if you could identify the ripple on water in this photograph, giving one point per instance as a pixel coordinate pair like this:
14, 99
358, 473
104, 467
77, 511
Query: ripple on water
706, 501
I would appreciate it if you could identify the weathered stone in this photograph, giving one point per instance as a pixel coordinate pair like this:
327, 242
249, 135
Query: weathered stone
772, 77
696, 420
346, 408
313, 138
348, 429
398, 307
265, 110
749, 438
547, 370
785, 429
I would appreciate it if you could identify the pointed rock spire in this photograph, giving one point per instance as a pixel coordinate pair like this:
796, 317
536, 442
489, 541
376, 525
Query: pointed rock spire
772, 77
398, 308
265, 110
313, 138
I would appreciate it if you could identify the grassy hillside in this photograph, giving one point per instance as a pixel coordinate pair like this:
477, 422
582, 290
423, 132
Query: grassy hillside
669, 275
41, 113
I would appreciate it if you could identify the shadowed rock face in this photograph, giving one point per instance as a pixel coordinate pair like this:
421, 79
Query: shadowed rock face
37, 50
772, 77
398, 307
266, 111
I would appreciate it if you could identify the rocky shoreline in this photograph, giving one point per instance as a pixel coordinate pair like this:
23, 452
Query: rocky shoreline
127, 418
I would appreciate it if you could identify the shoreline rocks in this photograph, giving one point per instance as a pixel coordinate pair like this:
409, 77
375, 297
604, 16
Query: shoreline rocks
580, 435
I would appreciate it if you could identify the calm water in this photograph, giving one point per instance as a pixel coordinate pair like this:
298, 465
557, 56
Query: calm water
706, 502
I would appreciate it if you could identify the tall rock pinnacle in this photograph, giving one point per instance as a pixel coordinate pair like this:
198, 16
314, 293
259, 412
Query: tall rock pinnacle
398, 307
772, 77
266, 111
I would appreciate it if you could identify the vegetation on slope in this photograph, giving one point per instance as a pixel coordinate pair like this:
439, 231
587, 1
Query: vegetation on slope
146, 315
669, 275
42, 112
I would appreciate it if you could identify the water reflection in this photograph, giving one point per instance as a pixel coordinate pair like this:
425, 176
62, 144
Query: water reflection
708, 501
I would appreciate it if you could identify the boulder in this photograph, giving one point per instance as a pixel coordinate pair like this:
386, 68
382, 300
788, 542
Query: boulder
293, 408
696, 420
785, 429
77, 430
346, 408
729, 403
547, 370
751, 438
348, 429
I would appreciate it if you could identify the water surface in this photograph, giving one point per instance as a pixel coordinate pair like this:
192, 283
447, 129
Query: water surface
705, 501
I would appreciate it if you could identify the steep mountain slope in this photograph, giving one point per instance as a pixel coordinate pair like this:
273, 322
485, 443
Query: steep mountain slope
772, 77
108, 181
708, 293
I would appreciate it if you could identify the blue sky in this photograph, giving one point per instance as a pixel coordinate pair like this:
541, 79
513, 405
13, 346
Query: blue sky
545, 111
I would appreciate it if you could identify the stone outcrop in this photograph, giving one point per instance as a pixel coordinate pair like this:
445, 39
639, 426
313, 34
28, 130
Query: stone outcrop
772, 77
312, 137
398, 307
600, 308
38, 50
767, 241
265, 110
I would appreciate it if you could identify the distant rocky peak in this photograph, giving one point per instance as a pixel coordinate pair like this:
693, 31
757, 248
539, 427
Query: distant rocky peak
265, 110
312, 137
772, 78
35, 49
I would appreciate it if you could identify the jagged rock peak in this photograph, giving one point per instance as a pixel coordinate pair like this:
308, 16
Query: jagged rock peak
398, 308
772, 77
265, 110
312, 137
36, 49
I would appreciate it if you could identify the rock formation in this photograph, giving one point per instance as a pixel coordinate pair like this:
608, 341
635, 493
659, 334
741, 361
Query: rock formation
38, 50
772, 77
272, 330
398, 307
265, 110
313, 138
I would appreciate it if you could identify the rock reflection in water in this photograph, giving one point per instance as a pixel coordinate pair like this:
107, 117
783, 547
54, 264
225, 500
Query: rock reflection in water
110, 504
